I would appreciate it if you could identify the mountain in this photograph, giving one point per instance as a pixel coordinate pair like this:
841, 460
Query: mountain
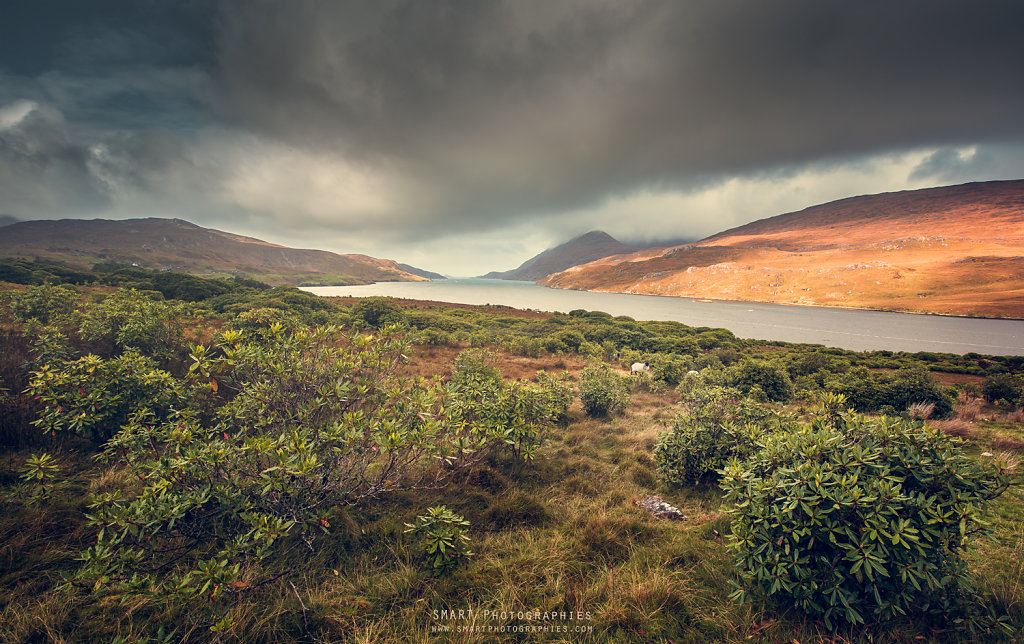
175, 244
421, 272
7, 220
579, 250
952, 250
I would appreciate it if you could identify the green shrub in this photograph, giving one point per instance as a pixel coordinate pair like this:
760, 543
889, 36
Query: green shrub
510, 414
50, 346
318, 421
756, 394
377, 311
911, 386
602, 391
529, 347
264, 324
557, 392
668, 368
473, 367
859, 387
685, 346
854, 519
38, 479
772, 379
435, 338
442, 539
45, 303
689, 383
1003, 386
707, 360
812, 362
718, 424
128, 319
189, 288
94, 398
571, 339
898, 390
554, 345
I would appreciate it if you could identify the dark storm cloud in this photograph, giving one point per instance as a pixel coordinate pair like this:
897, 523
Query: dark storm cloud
37, 36
518, 107
41, 165
416, 120
109, 64
85, 90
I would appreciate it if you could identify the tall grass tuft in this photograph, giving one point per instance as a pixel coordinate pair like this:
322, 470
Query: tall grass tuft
968, 410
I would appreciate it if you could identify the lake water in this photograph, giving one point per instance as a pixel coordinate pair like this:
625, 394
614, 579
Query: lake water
848, 329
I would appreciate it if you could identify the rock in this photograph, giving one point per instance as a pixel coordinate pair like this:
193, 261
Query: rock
656, 506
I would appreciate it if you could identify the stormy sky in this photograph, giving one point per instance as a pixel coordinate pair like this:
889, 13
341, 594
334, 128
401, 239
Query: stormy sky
467, 136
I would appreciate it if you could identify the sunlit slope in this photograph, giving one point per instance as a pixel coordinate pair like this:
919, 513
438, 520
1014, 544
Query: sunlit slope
954, 250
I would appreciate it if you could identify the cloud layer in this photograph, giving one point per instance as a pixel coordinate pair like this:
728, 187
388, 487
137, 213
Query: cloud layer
397, 125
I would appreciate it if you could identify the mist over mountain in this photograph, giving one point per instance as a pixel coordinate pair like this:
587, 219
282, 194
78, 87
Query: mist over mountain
579, 250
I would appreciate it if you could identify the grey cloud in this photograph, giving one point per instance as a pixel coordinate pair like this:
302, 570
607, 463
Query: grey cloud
412, 120
945, 163
50, 169
957, 165
108, 64
42, 168
517, 108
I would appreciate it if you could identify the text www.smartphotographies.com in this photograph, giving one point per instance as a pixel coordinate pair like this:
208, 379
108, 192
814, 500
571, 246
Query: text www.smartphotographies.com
512, 622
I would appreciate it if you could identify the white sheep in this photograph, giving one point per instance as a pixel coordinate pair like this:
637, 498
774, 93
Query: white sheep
639, 367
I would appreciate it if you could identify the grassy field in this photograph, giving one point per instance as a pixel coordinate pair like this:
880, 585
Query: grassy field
562, 536
561, 549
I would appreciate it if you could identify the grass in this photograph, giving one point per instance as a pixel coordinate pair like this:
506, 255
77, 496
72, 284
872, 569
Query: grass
995, 428
562, 535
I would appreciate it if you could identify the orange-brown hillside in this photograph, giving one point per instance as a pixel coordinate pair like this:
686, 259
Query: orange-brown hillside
954, 250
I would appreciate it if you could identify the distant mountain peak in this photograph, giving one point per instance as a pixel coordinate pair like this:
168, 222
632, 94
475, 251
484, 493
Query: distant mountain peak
593, 236
584, 248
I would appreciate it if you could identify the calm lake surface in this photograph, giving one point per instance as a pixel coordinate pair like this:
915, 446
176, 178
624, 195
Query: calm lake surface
856, 330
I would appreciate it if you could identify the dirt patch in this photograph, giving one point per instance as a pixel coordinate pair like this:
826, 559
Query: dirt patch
957, 378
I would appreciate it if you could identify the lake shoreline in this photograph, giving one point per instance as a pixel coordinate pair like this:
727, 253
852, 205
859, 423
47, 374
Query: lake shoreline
693, 298
847, 328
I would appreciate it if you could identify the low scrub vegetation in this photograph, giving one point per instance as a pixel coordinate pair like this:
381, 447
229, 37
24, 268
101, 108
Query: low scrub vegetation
857, 520
192, 459
715, 426
602, 391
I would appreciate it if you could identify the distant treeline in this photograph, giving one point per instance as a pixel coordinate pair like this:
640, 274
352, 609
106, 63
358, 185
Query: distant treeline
884, 381
170, 284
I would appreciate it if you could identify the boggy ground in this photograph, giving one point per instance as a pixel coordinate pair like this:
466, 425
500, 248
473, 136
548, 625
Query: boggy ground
560, 536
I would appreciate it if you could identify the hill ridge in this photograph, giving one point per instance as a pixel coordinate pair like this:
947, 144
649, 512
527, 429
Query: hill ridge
178, 244
950, 249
